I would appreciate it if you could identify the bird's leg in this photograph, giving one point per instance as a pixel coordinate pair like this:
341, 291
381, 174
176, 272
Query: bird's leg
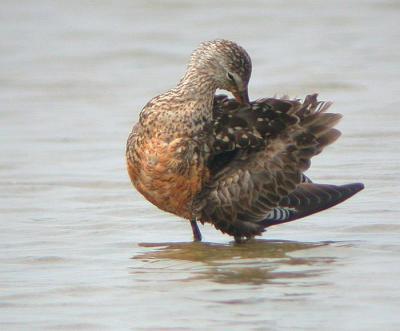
196, 231
239, 239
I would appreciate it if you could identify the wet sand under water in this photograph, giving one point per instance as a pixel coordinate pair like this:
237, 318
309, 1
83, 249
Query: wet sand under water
81, 250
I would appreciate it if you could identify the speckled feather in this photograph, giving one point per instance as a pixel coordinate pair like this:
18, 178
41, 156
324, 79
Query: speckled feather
242, 192
168, 150
236, 165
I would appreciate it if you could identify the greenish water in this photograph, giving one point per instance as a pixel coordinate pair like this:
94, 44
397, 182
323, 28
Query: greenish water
81, 250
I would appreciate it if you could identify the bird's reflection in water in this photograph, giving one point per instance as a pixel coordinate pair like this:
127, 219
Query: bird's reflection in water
255, 262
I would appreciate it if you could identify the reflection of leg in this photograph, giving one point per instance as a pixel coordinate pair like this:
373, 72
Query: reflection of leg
196, 231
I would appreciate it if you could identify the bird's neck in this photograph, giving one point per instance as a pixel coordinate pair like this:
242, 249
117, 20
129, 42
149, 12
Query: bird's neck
186, 109
197, 89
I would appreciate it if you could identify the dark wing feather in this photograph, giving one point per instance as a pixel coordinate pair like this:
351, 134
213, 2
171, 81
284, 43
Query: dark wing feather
308, 199
249, 127
242, 191
237, 128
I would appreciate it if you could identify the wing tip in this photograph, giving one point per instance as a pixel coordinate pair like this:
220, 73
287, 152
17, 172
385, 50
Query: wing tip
343, 192
355, 187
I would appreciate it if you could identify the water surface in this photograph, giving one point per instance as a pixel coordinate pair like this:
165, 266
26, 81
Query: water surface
81, 250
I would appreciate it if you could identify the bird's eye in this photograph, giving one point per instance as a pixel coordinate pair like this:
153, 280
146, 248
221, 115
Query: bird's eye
230, 77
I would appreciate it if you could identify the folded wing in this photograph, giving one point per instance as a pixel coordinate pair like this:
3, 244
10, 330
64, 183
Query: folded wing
259, 155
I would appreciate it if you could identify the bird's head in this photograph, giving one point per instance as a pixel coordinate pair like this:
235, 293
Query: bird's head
228, 64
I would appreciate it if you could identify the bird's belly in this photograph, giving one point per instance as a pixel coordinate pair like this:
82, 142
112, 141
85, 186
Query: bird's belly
167, 177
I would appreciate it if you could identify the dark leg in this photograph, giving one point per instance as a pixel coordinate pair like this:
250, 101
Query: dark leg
239, 239
196, 231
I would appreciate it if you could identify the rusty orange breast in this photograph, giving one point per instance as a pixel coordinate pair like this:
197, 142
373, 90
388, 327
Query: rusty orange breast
168, 175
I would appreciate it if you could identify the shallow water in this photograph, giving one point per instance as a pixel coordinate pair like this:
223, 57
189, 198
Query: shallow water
81, 250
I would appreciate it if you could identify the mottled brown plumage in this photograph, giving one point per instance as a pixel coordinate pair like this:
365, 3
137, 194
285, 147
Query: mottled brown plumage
233, 163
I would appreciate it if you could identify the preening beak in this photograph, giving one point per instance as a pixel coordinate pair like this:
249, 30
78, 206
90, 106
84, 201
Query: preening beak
242, 96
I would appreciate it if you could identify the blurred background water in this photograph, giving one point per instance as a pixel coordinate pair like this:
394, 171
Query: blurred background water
81, 250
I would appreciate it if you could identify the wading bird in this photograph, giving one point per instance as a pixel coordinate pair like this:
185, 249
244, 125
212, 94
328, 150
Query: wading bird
231, 162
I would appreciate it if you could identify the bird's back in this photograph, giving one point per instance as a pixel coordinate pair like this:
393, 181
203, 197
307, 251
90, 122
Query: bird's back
260, 154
